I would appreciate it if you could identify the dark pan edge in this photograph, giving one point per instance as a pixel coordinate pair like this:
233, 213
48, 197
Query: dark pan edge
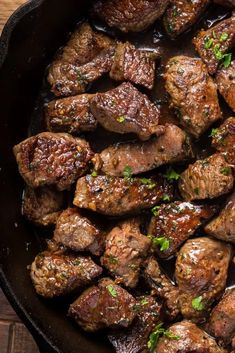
44, 343
13, 20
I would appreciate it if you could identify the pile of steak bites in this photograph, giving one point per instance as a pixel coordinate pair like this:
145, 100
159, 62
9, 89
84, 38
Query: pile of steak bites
182, 209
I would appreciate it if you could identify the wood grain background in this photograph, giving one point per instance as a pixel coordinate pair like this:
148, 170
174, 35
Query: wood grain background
14, 337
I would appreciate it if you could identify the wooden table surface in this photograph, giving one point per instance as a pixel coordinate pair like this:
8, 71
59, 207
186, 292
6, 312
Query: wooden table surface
14, 337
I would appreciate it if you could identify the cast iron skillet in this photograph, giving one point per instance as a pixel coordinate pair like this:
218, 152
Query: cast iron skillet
28, 43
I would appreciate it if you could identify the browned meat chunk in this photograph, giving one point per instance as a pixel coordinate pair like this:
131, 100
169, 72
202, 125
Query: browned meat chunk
49, 158
119, 196
224, 137
222, 321
135, 65
193, 94
130, 15
126, 110
162, 287
225, 79
208, 178
126, 249
58, 274
228, 3
86, 57
223, 227
42, 206
78, 233
174, 223
135, 338
182, 14
201, 273
70, 115
105, 305
187, 338
213, 44
172, 146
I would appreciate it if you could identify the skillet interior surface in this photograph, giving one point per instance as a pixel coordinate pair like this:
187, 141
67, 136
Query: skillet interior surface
29, 41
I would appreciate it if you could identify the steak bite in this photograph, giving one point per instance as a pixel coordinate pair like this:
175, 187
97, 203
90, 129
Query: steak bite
171, 146
208, 178
134, 65
193, 94
113, 196
225, 79
223, 227
78, 233
42, 206
174, 223
222, 320
85, 58
125, 250
201, 273
213, 44
105, 305
130, 15
52, 159
224, 137
162, 287
135, 338
182, 14
70, 115
55, 274
126, 110
188, 338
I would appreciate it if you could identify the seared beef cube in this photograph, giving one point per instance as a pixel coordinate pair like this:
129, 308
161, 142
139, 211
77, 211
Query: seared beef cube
193, 94
227, 3
182, 14
175, 223
224, 137
78, 233
135, 338
115, 196
126, 248
135, 65
173, 145
213, 44
186, 337
86, 57
126, 110
201, 273
59, 274
130, 15
208, 178
52, 158
225, 79
70, 115
105, 305
42, 206
162, 287
222, 320
223, 227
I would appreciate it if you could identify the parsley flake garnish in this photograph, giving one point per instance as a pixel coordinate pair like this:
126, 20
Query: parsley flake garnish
148, 182
171, 174
223, 37
162, 242
225, 171
214, 132
144, 301
158, 332
166, 197
227, 58
121, 119
208, 43
197, 304
112, 290
94, 173
127, 172
155, 210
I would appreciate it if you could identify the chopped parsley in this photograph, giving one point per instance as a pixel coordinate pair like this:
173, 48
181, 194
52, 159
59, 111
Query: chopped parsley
217, 52
144, 301
112, 259
208, 43
166, 197
197, 304
148, 182
121, 119
171, 174
227, 58
158, 332
214, 34
225, 171
155, 210
112, 290
127, 172
162, 242
214, 132
94, 173
196, 191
